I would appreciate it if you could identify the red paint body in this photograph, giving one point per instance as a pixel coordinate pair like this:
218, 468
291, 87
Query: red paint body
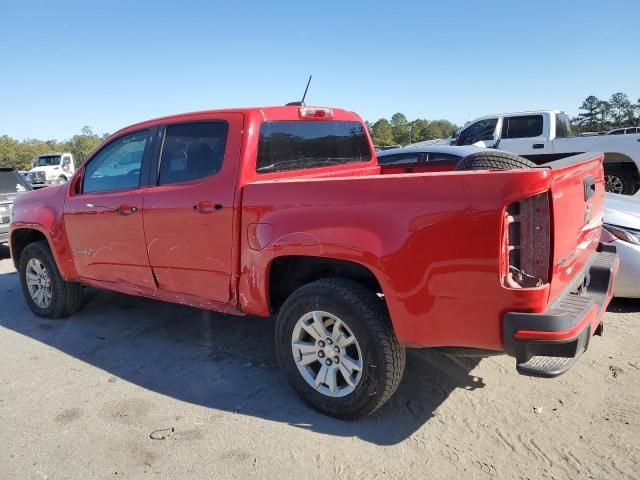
433, 240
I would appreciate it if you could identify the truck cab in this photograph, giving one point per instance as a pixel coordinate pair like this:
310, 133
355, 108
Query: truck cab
51, 169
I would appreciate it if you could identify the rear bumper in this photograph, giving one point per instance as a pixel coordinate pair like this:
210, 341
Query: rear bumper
547, 344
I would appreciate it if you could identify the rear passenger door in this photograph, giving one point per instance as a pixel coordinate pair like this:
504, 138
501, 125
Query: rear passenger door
525, 135
188, 210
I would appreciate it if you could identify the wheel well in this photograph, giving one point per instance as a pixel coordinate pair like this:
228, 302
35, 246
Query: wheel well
291, 272
613, 160
20, 239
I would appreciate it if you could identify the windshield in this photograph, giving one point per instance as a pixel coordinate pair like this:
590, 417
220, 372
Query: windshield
48, 161
295, 145
12, 182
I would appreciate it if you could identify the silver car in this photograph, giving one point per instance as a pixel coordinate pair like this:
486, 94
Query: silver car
12, 184
622, 228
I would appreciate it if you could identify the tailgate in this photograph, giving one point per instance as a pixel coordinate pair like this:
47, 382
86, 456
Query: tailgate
577, 197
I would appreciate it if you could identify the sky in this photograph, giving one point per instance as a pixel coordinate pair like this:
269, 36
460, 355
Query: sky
67, 64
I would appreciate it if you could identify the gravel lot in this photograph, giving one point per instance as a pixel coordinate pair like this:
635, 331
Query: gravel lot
131, 388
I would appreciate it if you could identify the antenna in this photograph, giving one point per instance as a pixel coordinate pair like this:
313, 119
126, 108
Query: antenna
301, 102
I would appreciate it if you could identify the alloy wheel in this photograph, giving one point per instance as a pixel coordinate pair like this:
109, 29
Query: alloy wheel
327, 354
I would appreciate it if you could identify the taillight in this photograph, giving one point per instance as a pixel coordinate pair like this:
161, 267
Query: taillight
315, 112
528, 242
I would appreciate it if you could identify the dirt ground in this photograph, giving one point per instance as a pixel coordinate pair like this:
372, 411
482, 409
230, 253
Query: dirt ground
131, 388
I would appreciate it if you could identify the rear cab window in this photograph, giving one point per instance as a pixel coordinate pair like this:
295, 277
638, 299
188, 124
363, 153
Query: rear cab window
298, 145
522, 126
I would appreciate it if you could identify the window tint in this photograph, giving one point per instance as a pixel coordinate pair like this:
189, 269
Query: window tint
481, 130
563, 126
617, 132
399, 158
294, 145
191, 151
117, 165
524, 126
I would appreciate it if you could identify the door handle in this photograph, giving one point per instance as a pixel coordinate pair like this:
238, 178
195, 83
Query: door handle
126, 209
205, 206
538, 145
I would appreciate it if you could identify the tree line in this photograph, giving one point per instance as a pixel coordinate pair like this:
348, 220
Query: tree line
400, 131
599, 115
21, 154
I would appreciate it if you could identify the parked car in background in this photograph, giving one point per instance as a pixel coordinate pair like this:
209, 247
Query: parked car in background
12, 184
545, 135
622, 131
417, 158
52, 169
285, 211
622, 228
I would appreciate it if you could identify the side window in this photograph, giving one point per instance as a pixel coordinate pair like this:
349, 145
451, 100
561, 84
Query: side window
191, 151
523, 126
481, 130
618, 132
116, 166
563, 126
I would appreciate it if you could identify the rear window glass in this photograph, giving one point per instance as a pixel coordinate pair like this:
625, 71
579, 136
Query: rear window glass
296, 145
192, 151
399, 158
524, 126
12, 182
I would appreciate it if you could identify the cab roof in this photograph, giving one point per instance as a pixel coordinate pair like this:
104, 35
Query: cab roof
287, 112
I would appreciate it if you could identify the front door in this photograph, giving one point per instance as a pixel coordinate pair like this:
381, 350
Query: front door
103, 214
188, 214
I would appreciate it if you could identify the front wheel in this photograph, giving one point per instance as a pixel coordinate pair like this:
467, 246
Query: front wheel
46, 292
335, 345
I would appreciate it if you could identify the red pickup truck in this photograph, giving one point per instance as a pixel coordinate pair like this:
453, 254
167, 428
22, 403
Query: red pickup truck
284, 211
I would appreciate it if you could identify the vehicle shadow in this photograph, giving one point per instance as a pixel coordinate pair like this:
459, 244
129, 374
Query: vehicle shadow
624, 305
4, 252
223, 362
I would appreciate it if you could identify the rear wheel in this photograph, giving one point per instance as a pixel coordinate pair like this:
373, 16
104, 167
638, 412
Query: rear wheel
335, 345
46, 292
619, 180
494, 160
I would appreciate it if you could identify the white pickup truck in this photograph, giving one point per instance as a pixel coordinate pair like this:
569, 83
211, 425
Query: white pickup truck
51, 169
545, 135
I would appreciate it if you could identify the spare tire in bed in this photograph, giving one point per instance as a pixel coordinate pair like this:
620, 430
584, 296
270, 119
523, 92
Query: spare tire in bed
494, 160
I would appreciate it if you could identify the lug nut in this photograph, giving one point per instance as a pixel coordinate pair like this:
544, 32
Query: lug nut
321, 354
328, 362
336, 349
336, 359
329, 342
321, 344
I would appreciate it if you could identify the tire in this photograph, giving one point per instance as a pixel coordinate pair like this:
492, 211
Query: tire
619, 180
494, 160
62, 179
363, 314
66, 297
